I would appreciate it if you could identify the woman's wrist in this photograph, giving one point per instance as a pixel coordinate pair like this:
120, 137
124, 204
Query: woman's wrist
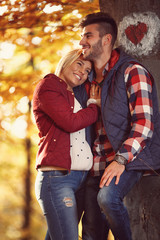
91, 100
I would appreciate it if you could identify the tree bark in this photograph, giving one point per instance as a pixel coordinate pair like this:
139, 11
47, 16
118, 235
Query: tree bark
120, 8
144, 209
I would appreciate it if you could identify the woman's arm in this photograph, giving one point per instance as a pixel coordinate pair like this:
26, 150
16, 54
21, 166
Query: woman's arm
53, 102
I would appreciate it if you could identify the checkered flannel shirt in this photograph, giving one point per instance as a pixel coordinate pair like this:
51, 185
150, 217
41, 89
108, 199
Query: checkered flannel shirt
139, 88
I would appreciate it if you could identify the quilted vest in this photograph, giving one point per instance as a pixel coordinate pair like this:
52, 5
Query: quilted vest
117, 119
81, 95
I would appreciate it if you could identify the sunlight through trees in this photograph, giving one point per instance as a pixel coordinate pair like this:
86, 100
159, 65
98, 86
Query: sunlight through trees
33, 37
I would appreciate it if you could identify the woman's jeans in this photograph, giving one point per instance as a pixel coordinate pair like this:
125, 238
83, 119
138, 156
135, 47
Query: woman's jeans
110, 200
55, 192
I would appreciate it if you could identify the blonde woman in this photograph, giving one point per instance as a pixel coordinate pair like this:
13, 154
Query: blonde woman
64, 156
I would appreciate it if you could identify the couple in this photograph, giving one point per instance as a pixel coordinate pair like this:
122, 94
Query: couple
92, 156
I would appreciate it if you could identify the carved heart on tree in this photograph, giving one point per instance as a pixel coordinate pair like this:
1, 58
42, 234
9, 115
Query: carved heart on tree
136, 33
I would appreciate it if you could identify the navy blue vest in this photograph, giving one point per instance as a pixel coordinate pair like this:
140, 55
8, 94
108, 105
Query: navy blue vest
117, 119
82, 97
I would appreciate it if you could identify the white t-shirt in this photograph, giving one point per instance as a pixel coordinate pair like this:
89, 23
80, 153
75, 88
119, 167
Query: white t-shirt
80, 151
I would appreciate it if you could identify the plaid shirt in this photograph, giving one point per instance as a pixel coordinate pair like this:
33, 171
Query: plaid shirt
139, 88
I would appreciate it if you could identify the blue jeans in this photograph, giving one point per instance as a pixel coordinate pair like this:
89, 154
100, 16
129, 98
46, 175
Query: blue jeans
55, 192
110, 200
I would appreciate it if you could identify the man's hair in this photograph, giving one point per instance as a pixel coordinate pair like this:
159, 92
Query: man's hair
106, 23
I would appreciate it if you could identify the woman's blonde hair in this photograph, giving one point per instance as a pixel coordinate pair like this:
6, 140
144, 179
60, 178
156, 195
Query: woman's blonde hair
67, 60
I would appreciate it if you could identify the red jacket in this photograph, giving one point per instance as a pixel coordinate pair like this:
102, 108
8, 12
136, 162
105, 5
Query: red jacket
53, 110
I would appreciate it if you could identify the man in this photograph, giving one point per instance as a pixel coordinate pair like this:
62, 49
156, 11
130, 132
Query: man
128, 131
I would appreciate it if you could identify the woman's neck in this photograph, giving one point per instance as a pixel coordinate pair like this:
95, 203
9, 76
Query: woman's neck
69, 88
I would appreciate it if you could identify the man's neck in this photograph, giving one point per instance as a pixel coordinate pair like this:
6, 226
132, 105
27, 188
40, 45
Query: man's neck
99, 75
99, 65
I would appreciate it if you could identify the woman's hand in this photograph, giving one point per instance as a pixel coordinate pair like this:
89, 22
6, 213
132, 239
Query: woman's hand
95, 93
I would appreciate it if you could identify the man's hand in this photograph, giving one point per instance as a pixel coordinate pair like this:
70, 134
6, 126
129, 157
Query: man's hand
113, 170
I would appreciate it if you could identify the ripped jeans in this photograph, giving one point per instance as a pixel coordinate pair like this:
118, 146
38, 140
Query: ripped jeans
55, 192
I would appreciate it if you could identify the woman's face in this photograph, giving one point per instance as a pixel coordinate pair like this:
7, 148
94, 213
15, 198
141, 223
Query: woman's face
77, 73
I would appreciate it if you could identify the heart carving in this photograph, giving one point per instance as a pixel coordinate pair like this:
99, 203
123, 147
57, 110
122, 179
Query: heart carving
136, 33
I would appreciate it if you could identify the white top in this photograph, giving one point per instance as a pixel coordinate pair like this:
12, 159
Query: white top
81, 155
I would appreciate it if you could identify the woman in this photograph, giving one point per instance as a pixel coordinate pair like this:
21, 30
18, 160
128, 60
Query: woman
64, 155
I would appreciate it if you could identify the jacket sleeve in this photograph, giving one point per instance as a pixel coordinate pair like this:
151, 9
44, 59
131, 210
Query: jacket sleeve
54, 102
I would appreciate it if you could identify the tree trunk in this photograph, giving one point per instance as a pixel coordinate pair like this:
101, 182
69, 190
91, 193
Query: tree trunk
125, 13
144, 209
120, 8
143, 200
27, 187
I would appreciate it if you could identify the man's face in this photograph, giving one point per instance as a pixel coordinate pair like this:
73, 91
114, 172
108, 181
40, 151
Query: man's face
91, 42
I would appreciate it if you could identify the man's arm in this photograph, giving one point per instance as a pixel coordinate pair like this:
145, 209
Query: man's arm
139, 88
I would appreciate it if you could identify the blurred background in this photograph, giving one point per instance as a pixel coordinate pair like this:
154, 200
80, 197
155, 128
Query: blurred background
33, 37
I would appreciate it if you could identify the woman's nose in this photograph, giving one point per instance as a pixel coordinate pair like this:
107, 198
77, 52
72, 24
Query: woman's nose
82, 70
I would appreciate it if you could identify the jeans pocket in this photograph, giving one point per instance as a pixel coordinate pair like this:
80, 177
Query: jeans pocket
58, 173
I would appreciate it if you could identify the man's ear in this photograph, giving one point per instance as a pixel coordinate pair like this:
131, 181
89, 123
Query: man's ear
107, 39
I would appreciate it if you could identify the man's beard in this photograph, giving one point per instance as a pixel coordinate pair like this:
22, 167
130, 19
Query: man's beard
96, 51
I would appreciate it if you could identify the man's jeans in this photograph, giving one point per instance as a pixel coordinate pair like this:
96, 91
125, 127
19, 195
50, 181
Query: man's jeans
110, 200
55, 192
94, 224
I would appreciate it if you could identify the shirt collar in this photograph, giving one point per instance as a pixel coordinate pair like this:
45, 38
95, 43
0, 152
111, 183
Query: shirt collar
112, 61
92, 74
